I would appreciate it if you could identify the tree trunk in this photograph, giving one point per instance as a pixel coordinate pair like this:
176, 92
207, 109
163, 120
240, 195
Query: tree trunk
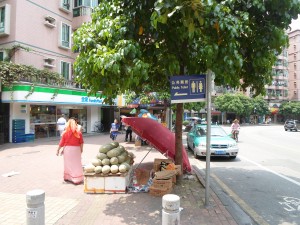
178, 135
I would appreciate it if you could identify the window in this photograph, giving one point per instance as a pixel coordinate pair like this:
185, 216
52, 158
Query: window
65, 5
1, 56
65, 70
5, 20
89, 3
65, 41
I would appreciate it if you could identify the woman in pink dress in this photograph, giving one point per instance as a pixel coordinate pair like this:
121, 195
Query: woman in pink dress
72, 146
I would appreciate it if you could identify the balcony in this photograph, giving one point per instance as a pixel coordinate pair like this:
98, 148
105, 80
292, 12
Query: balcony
81, 15
51, 82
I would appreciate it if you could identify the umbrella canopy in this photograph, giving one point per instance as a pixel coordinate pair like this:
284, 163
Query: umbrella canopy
158, 136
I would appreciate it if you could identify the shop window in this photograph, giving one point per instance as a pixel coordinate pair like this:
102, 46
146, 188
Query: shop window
65, 36
65, 69
5, 20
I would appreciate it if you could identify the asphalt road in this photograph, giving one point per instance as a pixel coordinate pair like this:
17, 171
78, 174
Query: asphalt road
264, 179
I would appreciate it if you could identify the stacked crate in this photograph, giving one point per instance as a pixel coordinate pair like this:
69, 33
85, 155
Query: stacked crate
164, 180
18, 131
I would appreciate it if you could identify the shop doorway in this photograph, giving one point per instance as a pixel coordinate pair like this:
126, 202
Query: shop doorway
4, 123
107, 117
80, 115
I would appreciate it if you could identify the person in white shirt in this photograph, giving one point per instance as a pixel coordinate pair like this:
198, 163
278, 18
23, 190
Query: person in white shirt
61, 124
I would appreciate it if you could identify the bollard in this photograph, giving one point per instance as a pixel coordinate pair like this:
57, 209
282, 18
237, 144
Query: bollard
35, 212
171, 210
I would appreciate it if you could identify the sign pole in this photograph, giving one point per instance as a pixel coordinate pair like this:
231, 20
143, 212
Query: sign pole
208, 135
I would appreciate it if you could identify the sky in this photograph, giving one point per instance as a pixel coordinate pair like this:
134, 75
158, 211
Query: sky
295, 24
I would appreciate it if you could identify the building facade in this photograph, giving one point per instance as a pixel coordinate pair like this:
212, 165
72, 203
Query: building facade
38, 33
294, 65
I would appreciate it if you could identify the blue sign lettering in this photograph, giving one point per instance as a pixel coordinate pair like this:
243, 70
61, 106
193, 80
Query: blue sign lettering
91, 100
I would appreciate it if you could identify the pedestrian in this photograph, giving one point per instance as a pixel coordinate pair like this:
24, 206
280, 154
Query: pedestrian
61, 124
114, 130
79, 126
72, 147
128, 133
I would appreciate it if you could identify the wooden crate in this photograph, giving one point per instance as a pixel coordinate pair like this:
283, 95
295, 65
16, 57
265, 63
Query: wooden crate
112, 183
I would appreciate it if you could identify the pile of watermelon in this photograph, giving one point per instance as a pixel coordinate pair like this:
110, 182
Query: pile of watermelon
112, 158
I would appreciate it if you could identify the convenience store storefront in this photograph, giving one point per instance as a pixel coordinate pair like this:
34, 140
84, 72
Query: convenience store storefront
42, 107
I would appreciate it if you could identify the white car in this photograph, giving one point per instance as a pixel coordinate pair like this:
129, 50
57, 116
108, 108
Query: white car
221, 143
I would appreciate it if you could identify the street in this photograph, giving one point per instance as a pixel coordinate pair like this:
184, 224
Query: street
264, 179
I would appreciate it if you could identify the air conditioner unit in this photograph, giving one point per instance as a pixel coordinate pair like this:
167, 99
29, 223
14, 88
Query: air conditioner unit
48, 65
49, 62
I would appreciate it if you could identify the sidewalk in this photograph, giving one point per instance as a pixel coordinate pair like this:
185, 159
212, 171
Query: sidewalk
39, 168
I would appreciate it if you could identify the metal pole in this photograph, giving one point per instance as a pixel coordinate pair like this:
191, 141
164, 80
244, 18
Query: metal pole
208, 133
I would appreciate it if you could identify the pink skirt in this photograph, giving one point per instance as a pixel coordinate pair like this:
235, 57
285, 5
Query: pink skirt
72, 164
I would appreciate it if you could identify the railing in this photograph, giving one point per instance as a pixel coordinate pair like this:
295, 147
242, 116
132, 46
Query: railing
51, 82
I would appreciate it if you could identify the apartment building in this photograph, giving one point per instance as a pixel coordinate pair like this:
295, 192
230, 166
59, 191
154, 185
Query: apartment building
294, 65
38, 33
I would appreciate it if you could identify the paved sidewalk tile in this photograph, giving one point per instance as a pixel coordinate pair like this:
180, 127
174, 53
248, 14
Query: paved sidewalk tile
37, 167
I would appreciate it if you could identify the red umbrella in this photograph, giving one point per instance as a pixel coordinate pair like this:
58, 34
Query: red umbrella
158, 136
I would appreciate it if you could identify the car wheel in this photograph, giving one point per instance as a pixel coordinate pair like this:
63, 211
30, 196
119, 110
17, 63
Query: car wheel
296, 130
285, 129
195, 154
232, 157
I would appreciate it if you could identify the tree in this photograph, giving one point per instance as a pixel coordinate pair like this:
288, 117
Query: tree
231, 103
132, 43
242, 105
261, 106
195, 106
290, 109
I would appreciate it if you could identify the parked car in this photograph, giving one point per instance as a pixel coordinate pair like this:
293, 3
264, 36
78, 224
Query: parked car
292, 125
222, 143
192, 121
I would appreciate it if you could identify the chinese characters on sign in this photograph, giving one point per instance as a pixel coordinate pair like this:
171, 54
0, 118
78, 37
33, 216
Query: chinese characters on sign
188, 88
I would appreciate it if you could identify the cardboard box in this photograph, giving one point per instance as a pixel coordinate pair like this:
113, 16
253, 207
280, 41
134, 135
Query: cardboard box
162, 184
157, 163
138, 143
158, 192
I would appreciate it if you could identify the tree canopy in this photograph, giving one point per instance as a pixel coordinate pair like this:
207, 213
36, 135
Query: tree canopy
242, 105
290, 109
137, 45
132, 43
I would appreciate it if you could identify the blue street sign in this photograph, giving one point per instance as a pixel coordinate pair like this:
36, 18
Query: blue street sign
188, 88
